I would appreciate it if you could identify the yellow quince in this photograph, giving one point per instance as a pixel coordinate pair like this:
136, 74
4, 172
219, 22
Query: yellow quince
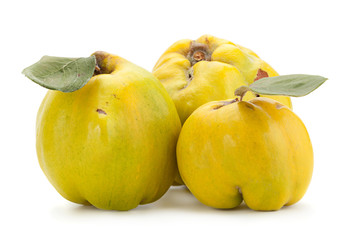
255, 151
112, 142
209, 69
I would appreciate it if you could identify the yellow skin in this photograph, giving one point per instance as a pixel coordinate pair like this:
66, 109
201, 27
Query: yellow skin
111, 143
258, 151
226, 67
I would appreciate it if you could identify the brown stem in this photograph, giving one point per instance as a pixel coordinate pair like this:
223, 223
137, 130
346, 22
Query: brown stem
241, 91
97, 70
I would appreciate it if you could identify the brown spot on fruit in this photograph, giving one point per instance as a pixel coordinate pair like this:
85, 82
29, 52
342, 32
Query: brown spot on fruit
278, 105
250, 106
261, 74
189, 78
101, 111
225, 103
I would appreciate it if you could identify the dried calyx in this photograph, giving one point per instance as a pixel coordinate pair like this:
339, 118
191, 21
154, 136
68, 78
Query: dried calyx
198, 52
101, 67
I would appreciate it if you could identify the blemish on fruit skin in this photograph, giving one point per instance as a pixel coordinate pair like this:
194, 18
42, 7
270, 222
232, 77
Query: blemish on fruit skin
190, 76
250, 106
279, 105
261, 74
115, 96
225, 103
101, 111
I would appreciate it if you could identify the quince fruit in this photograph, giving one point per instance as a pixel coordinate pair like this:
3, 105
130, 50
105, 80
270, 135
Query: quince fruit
256, 151
112, 142
209, 69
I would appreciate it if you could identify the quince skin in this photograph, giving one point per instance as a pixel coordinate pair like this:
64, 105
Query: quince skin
209, 69
111, 143
258, 151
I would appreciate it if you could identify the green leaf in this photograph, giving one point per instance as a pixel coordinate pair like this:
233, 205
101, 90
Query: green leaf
295, 85
60, 73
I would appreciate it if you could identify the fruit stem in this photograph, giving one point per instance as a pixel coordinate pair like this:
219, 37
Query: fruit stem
241, 91
97, 70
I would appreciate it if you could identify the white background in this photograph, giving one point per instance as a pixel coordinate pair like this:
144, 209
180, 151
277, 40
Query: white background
294, 37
